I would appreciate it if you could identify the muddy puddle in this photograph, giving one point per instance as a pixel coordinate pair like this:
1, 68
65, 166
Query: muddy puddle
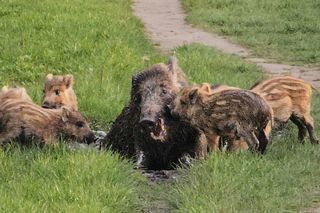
160, 176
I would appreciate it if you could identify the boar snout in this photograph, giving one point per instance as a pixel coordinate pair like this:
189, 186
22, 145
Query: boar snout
46, 105
147, 123
90, 138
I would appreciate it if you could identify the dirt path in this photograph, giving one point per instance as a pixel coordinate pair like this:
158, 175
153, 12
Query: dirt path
165, 24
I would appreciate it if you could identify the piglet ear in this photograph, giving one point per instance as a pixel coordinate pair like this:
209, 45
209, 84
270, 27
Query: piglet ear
4, 89
205, 88
49, 76
68, 80
65, 114
193, 96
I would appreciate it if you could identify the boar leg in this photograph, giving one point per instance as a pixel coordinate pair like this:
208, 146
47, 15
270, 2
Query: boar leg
310, 126
213, 141
301, 126
6, 136
251, 139
201, 146
263, 141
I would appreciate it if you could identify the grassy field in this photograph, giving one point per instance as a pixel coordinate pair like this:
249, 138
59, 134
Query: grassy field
287, 30
102, 44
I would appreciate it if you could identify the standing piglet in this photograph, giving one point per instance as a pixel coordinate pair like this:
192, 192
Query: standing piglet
229, 114
290, 98
24, 119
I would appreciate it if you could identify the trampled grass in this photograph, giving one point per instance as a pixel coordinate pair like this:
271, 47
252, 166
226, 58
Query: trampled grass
102, 44
278, 29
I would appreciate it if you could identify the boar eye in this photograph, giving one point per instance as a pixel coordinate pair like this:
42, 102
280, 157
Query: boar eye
183, 103
57, 92
79, 124
164, 91
43, 91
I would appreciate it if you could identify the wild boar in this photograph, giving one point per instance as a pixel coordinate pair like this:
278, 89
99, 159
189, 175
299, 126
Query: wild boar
290, 98
145, 126
230, 114
14, 93
24, 119
58, 91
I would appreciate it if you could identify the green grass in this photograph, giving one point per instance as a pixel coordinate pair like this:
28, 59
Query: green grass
287, 30
58, 180
102, 44
204, 64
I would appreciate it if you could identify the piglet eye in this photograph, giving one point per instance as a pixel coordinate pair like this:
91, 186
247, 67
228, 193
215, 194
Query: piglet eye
79, 124
57, 92
43, 91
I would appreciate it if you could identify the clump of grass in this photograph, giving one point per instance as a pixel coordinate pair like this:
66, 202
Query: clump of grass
287, 30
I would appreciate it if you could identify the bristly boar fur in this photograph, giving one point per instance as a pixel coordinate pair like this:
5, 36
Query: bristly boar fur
238, 144
20, 118
229, 114
290, 98
14, 93
58, 92
144, 127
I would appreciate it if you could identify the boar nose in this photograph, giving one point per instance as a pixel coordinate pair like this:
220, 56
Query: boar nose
90, 138
147, 123
45, 104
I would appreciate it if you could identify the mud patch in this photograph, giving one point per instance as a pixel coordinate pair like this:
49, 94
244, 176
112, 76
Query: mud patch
161, 176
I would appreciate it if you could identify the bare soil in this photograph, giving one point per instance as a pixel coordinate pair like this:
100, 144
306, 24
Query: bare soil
165, 24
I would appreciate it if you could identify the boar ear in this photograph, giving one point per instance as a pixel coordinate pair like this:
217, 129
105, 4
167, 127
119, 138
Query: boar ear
49, 76
205, 88
178, 76
68, 80
172, 64
4, 89
65, 114
193, 96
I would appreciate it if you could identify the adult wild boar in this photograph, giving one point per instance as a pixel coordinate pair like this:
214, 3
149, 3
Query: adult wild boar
145, 128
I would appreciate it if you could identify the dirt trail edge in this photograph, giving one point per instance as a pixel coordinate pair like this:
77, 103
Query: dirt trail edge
165, 24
